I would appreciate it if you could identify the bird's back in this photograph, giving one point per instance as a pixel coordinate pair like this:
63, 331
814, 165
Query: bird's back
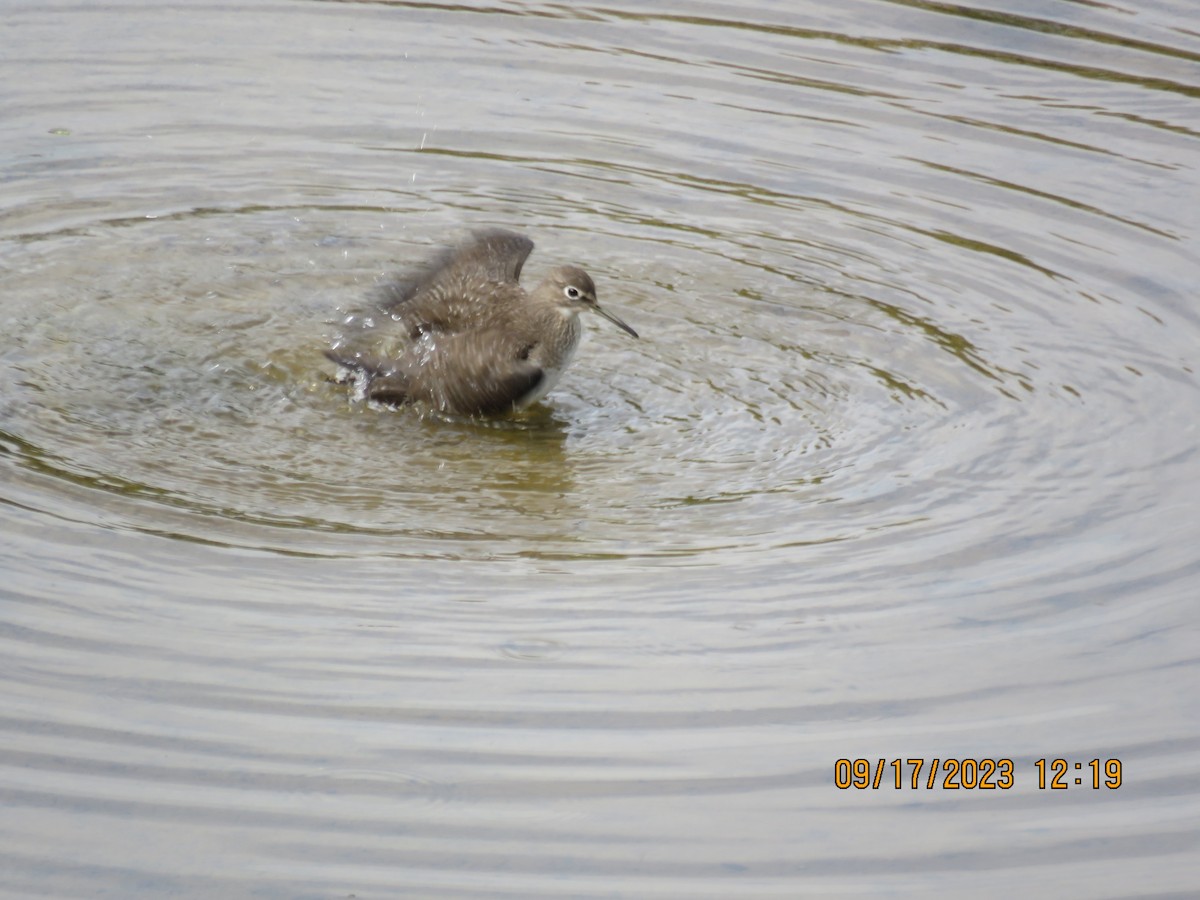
445, 335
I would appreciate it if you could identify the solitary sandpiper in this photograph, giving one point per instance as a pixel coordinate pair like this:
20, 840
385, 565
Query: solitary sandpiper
461, 336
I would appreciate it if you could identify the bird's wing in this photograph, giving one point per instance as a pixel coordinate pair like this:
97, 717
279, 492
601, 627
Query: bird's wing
478, 373
490, 256
499, 253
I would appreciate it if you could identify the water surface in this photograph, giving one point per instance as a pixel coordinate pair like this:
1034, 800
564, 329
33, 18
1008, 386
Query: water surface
904, 466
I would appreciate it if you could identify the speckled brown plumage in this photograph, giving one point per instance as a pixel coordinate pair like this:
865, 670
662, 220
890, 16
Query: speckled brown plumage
462, 336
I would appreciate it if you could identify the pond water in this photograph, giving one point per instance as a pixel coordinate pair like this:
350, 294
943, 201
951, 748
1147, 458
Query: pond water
904, 468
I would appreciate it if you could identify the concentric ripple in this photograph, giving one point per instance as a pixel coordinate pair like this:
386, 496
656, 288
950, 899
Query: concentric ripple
903, 467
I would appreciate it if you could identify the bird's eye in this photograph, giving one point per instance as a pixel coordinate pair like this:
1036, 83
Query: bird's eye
572, 292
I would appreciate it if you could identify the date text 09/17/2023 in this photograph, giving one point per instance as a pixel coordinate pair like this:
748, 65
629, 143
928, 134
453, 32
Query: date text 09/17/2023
973, 774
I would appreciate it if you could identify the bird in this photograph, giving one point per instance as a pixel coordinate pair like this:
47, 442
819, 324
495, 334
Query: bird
461, 336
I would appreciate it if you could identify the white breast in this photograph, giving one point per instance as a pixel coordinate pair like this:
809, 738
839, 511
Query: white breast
554, 360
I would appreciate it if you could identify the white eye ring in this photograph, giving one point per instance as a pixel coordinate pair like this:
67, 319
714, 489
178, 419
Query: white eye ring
572, 292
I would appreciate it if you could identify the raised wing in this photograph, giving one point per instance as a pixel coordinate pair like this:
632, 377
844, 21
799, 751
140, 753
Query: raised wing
490, 256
